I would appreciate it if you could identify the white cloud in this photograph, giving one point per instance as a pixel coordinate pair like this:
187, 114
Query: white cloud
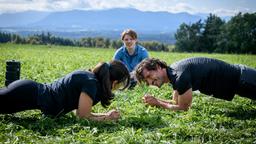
182, 7
225, 12
61, 5
144, 5
21, 5
40, 5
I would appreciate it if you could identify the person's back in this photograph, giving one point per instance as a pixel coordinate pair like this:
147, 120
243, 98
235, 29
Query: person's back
209, 76
63, 94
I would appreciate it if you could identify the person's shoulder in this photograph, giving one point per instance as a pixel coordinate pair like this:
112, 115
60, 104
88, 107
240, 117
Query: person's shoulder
120, 50
199, 59
80, 71
142, 49
119, 53
83, 74
180, 65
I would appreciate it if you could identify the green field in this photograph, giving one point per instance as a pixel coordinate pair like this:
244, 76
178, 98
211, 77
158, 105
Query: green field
209, 121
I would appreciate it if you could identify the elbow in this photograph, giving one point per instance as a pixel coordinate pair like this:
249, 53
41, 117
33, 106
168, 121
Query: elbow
79, 115
83, 116
184, 107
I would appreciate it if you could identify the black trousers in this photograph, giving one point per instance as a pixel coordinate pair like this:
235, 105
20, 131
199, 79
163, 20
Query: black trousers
247, 84
19, 96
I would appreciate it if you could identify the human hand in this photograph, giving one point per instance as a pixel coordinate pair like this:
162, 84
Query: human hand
113, 115
150, 100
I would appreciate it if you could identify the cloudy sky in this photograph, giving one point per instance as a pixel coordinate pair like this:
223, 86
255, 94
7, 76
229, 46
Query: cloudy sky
219, 7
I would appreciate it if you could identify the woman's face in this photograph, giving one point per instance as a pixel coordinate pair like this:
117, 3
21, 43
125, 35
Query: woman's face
129, 42
118, 85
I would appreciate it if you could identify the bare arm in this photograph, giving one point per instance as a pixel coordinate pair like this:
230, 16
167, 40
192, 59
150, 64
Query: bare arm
180, 102
85, 107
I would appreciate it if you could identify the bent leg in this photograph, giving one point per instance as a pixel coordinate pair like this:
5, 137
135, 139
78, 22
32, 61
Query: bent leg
18, 96
247, 84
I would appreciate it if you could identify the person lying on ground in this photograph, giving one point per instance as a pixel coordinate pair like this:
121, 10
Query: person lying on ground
79, 90
210, 76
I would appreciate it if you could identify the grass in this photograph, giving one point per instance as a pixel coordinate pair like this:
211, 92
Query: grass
209, 120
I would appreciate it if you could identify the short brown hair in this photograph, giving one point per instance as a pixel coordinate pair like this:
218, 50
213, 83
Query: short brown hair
129, 32
149, 64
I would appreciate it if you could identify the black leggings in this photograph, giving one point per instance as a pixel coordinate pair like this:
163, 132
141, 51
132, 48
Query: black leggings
19, 96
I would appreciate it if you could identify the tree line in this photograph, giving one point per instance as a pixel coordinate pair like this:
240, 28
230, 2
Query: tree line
98, 42
214, 35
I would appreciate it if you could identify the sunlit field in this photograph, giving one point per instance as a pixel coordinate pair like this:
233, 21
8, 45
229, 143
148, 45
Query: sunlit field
210, 120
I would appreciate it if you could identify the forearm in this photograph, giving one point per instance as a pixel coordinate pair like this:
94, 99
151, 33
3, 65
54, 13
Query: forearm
170, 105
93, 116
165, 103
98, 117
174, 107
112, 115
180, 102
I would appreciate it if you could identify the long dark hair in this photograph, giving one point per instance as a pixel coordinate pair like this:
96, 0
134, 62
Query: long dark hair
107, 73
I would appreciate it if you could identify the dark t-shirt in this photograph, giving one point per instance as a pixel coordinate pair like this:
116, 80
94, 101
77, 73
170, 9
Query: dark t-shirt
209, 76
62, 96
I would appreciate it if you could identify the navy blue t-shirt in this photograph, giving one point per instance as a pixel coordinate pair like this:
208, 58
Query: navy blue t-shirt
62, 96
209, 76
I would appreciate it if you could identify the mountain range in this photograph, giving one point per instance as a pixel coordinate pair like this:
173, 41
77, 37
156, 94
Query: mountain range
158, 26
97, 20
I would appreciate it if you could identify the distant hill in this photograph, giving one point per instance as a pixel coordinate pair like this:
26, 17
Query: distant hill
95, 20
159, 26
21, 19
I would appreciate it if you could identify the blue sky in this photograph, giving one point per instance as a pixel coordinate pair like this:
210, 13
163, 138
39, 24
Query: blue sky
219, 7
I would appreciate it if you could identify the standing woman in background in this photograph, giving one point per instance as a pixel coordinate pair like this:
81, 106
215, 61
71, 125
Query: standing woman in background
78, 90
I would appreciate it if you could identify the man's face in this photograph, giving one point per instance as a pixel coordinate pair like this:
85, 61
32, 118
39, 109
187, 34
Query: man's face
154, 77
129, 42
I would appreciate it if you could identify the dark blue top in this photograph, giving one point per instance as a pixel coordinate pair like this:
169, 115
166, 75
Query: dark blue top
131, 61
62, 96
209, 76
